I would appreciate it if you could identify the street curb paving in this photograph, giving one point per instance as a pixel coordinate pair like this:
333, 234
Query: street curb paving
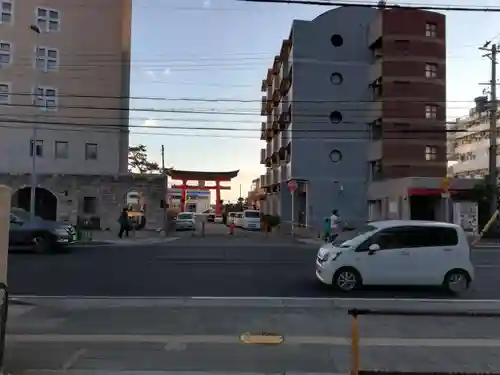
126, 242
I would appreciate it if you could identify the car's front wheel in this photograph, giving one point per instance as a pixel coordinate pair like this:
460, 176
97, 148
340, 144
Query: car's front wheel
347, 279
43, 244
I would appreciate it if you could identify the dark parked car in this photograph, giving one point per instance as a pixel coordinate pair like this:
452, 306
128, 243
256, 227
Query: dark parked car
41, 235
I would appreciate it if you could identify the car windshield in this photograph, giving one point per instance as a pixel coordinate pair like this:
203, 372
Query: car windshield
185, 216
252, 214
20, 213
354, 237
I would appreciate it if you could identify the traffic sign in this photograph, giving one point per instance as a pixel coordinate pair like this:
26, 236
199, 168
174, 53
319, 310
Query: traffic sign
292, 185
445, 184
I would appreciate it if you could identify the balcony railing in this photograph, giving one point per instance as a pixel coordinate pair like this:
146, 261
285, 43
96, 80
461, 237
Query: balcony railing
263, 86
276, 143
263, 108
269, 122
269, 105
286, 81
276, 118
269, 176
276, 176
269, 149
263, 182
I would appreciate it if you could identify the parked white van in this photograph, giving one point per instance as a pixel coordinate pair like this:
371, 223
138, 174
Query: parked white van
250, 220
398, 252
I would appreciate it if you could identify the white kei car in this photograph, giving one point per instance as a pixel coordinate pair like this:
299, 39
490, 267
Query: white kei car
398, 252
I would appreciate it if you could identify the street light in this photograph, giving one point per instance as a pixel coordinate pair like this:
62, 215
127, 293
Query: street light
33, 142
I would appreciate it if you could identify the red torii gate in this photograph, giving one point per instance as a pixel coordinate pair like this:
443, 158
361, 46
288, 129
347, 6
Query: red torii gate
202, 177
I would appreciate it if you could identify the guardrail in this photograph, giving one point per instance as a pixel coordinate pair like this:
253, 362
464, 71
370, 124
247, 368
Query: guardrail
355, 313
3, 323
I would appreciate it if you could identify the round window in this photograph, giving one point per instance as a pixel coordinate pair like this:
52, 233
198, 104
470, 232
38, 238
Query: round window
336, 79
335, 156
337, 40
335, 117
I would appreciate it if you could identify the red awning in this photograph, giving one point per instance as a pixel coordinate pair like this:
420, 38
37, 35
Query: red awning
431, 192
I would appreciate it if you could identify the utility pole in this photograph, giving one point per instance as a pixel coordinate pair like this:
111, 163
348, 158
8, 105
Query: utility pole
165, 192
34, 135
492, 51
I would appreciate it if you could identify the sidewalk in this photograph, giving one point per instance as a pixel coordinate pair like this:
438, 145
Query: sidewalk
111, 336
102, 238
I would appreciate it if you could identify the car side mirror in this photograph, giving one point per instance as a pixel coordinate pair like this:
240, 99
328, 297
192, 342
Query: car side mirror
373, 248
16, 221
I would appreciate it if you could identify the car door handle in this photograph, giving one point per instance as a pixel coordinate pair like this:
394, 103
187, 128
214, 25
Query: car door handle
404, 253
447, 249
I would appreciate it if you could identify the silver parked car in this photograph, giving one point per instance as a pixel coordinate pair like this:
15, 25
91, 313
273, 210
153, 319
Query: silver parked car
185, 221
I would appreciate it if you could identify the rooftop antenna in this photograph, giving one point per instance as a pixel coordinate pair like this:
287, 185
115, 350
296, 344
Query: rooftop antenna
382, 4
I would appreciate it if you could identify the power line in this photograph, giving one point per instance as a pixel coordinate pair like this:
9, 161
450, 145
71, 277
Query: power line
88, 64
455, 8
168, 119
117, 128
231, 100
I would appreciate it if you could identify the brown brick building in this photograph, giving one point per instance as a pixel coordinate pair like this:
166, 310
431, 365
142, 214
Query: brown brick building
409, 92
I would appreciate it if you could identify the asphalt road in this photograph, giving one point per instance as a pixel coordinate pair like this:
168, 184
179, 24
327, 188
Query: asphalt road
248, 264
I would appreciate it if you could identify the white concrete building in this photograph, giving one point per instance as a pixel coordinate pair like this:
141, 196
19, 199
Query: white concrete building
468, 145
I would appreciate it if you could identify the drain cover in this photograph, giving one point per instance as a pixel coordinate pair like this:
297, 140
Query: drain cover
261, 338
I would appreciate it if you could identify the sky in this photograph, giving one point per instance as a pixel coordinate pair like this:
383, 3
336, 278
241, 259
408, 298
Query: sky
219, 51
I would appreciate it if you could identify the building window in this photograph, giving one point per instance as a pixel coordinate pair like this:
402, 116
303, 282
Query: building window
61, 150
5, 53
38, 148
89, 205
401, 87
430, 29
430, 153
46, 98
431, 112
402, 46
47, 59
431, 70
91, 151
48, 20
4, 93
6, 9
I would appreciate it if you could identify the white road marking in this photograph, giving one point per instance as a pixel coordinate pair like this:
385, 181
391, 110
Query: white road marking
73, 359
160, 372
256, 298
175, 341
175, 347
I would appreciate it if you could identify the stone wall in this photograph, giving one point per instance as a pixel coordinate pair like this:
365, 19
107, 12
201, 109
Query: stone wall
110, 193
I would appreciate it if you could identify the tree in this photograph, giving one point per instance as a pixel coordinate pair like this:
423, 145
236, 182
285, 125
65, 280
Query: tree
138, 160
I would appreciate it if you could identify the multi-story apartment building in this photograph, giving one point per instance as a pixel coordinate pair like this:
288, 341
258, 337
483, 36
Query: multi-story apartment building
255, 194
468, 142
64, 65
354, 106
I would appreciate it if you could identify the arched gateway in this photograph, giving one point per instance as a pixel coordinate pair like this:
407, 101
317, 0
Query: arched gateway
45, 202
202, 178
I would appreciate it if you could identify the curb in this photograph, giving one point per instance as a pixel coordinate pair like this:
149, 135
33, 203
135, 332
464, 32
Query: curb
124, 243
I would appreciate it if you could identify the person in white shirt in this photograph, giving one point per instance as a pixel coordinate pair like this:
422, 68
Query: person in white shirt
334, 223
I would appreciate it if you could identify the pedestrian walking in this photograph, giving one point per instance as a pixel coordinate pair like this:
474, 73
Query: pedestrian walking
326, 229
124, 223
334, 224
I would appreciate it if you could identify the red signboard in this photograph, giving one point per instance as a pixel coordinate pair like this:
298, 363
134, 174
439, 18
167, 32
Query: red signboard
292, 185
